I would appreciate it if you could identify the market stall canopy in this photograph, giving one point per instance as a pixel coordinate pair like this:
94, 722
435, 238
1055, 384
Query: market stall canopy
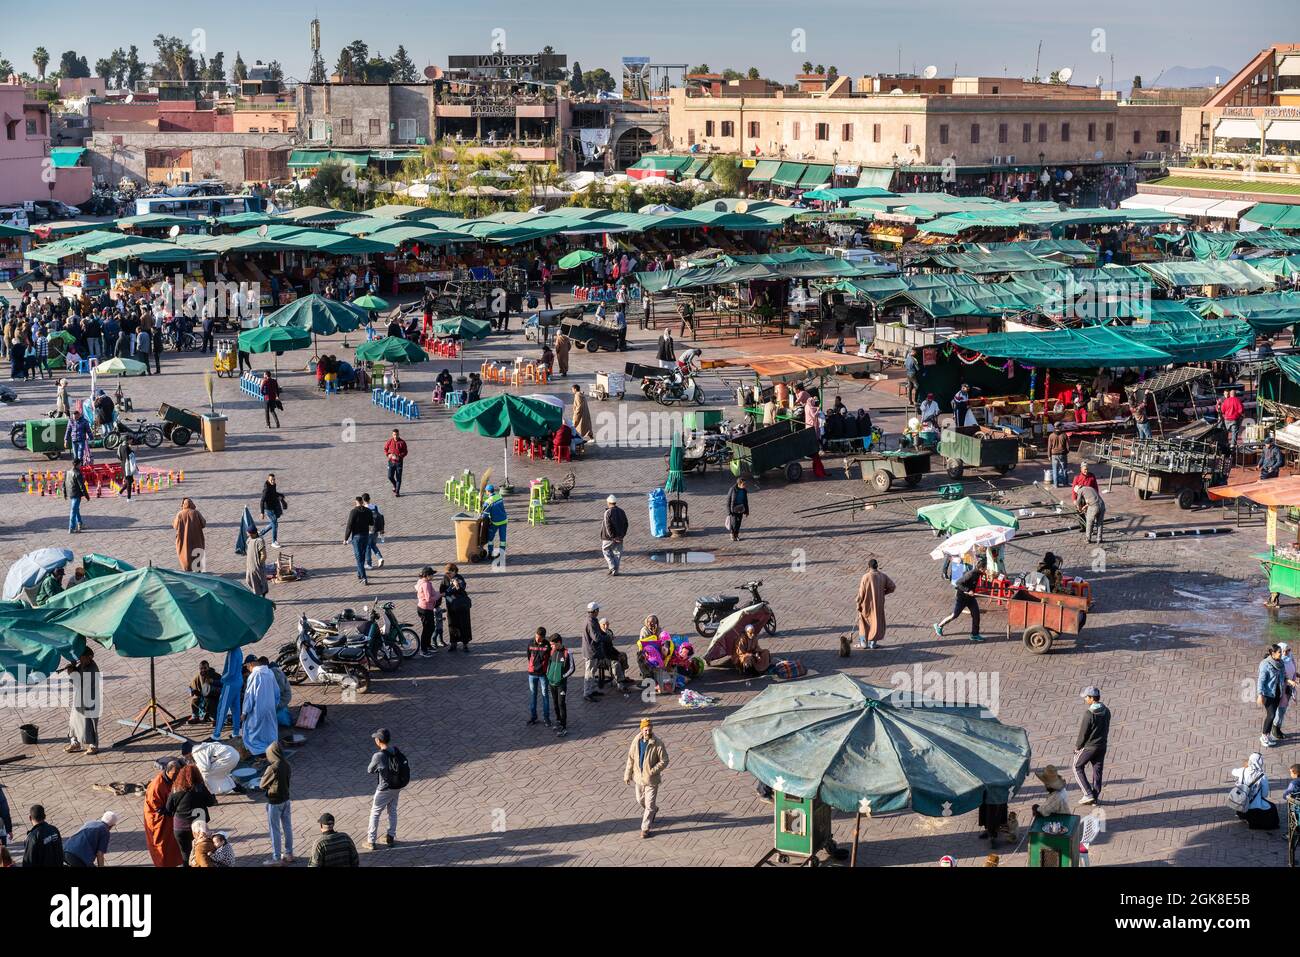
141, 249
408, 213
308, 159
1233, 273
860, 748
390, 349
577, 258
1275, 216
28, 570
1267, 312
1095, 347
318, 315
156, 221
394, 232
78, 245
791, 365
1058, 250
245, 219
277, 339
963, 514
154, 611
846, 194
505, 415
97, 565
12, 232
1278, 492
318, 215
319, 240
32, 647
1205, 245
118, 365
369, 301
738, 269
66, 157
1276, 267
981, 536
237, 243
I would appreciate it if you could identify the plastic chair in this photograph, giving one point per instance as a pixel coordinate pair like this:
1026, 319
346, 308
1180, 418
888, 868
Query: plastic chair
536, 513
449, 488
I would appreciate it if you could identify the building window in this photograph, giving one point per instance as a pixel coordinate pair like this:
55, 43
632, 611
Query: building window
319, 130
1002, 132
1162, 136
1025, 132
942, 88
254, 129
1065, 132
1137, 137
907, 132
995, 91
406, 129
754, 129
374, 127
32, 128
345, 126
728, 128
690, 137
708, 127
822, 131
974, 132
943, 132
846, 132
1092, 132
1042, 132
875, 132
1110, 132
794, 131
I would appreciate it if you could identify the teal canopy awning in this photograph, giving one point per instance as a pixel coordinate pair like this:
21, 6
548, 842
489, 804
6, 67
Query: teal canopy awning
876, 176
764, 170
815, 175
66, 157
1097, 347
1267, 312
1274, 215
789, 174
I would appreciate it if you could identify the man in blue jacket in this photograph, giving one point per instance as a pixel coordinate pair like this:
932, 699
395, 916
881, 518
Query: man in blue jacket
495, 510
1268, 687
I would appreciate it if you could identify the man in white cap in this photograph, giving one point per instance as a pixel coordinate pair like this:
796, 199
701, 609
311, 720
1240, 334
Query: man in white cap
1289, 689
88, 846
613, 529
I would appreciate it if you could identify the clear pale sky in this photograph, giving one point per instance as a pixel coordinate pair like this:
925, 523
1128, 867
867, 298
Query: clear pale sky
993, 37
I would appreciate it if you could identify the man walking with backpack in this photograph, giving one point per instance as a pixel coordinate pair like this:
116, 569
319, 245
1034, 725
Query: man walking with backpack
394, 774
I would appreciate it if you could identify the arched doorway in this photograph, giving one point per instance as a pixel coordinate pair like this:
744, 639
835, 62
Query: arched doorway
631, 145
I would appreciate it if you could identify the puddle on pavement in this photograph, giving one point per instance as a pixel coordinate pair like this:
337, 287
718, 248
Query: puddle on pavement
682, 556
1234, 609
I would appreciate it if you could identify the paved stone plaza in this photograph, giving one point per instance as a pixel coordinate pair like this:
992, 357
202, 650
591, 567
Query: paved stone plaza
1174, 642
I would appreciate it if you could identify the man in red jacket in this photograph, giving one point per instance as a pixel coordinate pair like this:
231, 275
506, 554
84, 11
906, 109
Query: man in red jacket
1232, 411
1083, 478
395, 450
271, 398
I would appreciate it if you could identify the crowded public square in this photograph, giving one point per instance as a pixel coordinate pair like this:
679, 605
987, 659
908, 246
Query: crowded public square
585, 474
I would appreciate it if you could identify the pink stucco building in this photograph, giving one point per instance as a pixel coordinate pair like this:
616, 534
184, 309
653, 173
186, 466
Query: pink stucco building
26, 170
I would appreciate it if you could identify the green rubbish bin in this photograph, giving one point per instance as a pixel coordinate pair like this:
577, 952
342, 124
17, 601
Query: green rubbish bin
46, 436
1055, 850
701, 420
802, 825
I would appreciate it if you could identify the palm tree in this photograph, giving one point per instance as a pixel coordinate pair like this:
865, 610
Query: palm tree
41, 57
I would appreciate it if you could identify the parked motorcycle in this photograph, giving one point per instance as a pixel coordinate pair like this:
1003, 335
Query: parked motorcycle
344, 664
711, 609
394, 640
676, 388
140, 432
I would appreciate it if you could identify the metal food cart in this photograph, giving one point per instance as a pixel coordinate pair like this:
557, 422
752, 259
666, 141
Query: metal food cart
179, 425
881, 469
590, 334
1183, 468
777, 446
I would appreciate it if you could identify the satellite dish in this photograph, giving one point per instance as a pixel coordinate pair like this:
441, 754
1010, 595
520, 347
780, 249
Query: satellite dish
433, 73
1065, 73
130, 98
742, 207
174, 232
930, 72
896, 92
719, 207
262, 230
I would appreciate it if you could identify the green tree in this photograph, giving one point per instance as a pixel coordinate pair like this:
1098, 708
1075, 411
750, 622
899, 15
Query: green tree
334, 185
378, 70
360, 54
753, 74
729, 175
577, 84
134, 69
317, 74
598, 79
832, 72
104, 68
239, 72
41, 57
403, 68
821, 70
730, 74
702, 68
5, 68
73, 66
216, 72
806, 68
344, 68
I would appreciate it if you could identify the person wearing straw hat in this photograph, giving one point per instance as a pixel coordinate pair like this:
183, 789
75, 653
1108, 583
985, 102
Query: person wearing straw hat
1056, 801
647, 759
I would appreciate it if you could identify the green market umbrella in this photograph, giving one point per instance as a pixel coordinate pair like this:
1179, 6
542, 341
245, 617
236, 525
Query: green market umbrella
97, 566
505, 415
150, 612
675, 484
870, 750
62, 336
319, 316
277, 339
462, 328
31, 646
121, 366
964, 513
577, 258
369, 302
390, 349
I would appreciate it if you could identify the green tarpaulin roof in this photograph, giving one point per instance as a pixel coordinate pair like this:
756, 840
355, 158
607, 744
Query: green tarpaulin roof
156, 221
300, 237
1007, 260
1234, 273
7, 231
815, 175
844, 194
789, 174
78, 245
1060, 250
317, 215
304, 159
1113, 346
657, 161
733, 269
1275, 266
1275, 215
876, 176
1267, 312
694, 167
764, 170
66, 157
1221, 245
152, 251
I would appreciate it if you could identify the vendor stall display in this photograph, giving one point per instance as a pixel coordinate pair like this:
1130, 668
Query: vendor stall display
1281, 498
1173, 466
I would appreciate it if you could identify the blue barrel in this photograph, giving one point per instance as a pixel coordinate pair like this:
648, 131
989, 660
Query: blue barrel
658, 513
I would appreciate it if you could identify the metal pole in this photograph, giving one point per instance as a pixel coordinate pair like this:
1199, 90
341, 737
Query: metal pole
857, 832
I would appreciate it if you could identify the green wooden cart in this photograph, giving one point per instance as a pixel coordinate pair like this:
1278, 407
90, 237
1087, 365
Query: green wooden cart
970, 448
777, 446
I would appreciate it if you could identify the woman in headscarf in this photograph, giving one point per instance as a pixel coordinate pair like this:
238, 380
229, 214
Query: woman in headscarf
204, 847
188, 802
158, 834
255, 563
457, 602
747, 656
189, 525
205, 692
810, 411
1259, 813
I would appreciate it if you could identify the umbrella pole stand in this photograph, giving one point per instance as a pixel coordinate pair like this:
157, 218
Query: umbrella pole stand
151, 712
857, 833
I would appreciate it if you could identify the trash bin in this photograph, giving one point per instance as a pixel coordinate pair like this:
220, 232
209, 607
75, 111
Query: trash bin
467, 548
214, 432
46, 435
29, 734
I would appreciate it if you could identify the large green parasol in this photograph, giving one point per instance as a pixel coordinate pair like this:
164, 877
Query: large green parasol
276, 339
964, 513
505, 415
31, 646
577, 258
462, 327
97, 565
870, 750
369, 301
390, 349
675, 483
318, 315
